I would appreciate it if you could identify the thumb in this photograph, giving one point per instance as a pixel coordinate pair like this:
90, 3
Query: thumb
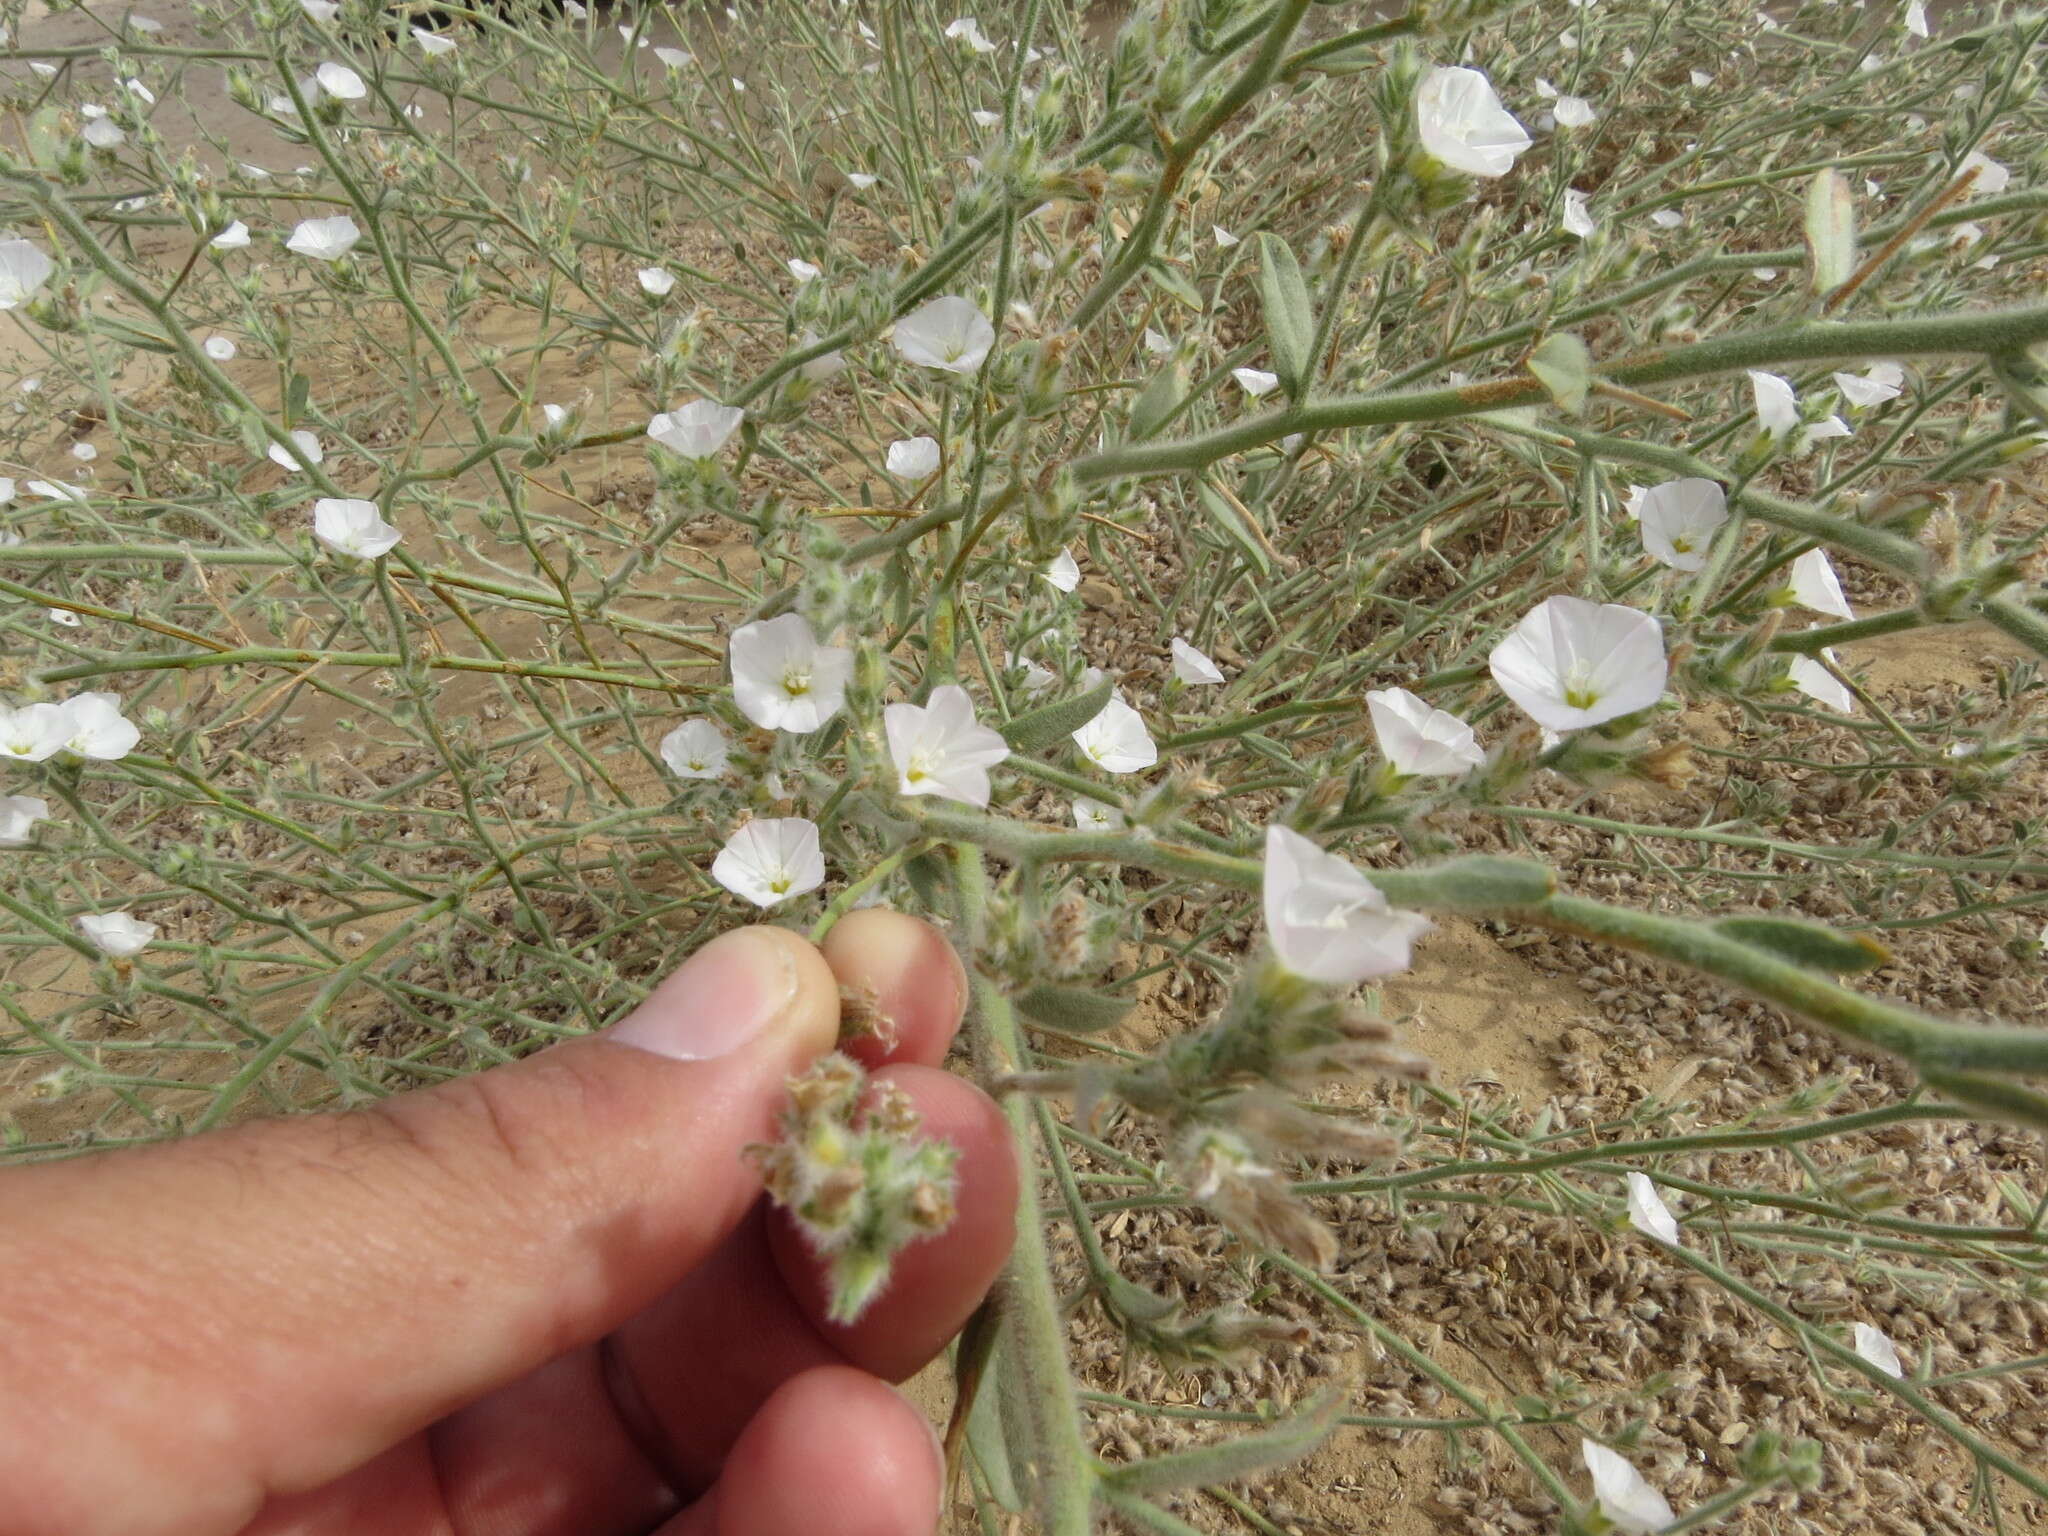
260, 1310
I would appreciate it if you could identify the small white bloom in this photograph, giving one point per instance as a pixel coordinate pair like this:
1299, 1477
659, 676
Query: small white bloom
65, 617
1571, 663
23, 269
1573, 112
1094, 816
1648, 1213
307, 444
57, 490
1036, 678
350, 526
860, 181
674, 58
320, 10
575, 10
1419, 740
771, 860
1327, 921
983, 118
1463, 124
94, 727
1701, 79
32, 732
1191, 666
696, 749
967, 30
827, 365
656, 280
18, 817
782, 678
1635, 1508
940, 749
1064, 572
1777, 407
324, 239
1992, 178
85, 453
1116, 740
433, 44
116, 934
233, 238
103, 132
1880, 382
1874, 1345
1821, 685
1820, 431
1667, 218
1916, 19
1254, 381
1678, 519
1158, 343
1578, 218
912, 458
219, 348
697, 430
948, 333
803, 271
340, 82
1815, 585
1632, 501
554, 415
1224, 238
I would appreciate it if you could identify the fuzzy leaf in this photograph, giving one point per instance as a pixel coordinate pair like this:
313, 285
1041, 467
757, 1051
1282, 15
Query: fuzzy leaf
1176, 287
976, 1383
1037, 729
1830, 230
1076, 1010
1156, 401
1232, 527
1290, 316
1228, 1460
1807, 944
1564, 367
1479, 882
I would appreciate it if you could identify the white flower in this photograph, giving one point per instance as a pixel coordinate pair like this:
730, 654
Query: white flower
695, 749
94, 727
1573, 112
1578, 219
324, 239
771, 860
102, 132
57, 490
32, 732
116, 934
1631, 1504
432, 44
828, 365
18, 817
912, 458
939, 748
85, 453
1253, 381
65, 617
1326, 920
983, 118
1819, 684
1463, 124
782, 678
968, 30
1116, 740
697, 430
1678, 520
23, 269
1094, 816
1777, 407
1648, 1213
1815, 585
320, 10
1632, 502
1224, 238
233, 238
1036, 678
1667, 218
1701, 79
220, 349
1064, 572
349, 526
575, 10
1875, 1346
948, 333
1826, 427
1880, 382
1419, 740
674, 58
1571, 663
860, 181
1916, 19
340, 82
803, 271
1191, 666
307, 444
656, 280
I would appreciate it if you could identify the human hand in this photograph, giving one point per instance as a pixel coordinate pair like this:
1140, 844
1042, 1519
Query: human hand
544, 1300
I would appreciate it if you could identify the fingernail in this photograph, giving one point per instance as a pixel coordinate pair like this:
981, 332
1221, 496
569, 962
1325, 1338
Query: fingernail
723, 996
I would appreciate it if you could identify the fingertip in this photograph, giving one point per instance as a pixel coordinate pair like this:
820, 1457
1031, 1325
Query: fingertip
935, 1285
833, 1452
912, 977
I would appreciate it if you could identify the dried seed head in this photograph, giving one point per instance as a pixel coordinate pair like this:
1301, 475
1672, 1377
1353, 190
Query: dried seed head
861, 1016
1670, 765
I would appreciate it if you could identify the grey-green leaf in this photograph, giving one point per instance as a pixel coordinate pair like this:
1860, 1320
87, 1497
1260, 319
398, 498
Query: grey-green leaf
1037, 729
1811, 945
1075, 1010
1228, 1460
1231, 526
1290, 316
1157, 401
